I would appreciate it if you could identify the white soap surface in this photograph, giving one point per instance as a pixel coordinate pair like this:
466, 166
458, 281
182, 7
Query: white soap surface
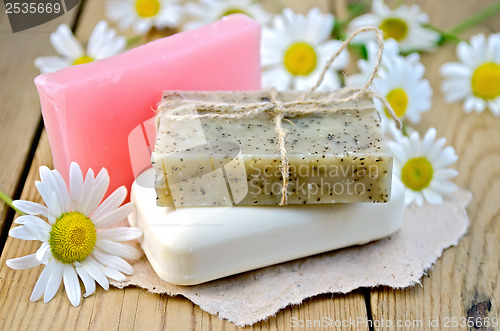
188, 246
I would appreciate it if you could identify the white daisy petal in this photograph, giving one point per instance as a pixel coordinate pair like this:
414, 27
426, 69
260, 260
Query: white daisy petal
118, 249
41, 283
446, 158
142, 27
103, 42
22, 232
31, 208
276, 77
75, 184
409, 197
100, 187
22, 219
432, 197
114, 274
54, 282
444, 187
56, 184
88, 281
455, 69
327, 49
120, 234
87, 193
446, 173
114, 262
63, 191
93, 44
38, 227
48, 64
95, 270
419, 200
113, 201
23, 262
71, 285
42, 252
50, 200
115, 216
65, 42
494, 106
115, 46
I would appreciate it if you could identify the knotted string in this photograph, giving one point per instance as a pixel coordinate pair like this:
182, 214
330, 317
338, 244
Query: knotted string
279, 110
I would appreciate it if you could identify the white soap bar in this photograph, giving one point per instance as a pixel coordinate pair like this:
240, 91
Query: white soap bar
188, 246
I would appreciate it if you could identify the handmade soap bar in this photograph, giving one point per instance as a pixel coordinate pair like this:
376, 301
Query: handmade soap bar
188, 246
90, 111
334, 156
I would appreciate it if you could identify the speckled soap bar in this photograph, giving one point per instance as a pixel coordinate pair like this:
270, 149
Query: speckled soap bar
333, 156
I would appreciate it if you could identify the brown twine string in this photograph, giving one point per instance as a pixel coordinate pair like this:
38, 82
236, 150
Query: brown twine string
280, 109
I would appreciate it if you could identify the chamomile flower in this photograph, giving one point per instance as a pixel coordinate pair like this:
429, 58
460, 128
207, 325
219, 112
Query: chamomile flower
208, 11
404, 87
403, 24
103, 43
74, 241
142, 15
422, 165
391, 51
476, 78
296, 48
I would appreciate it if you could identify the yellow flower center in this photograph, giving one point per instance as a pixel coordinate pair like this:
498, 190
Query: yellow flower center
398, 99
147, 8
83, 59
394, 28
72, 237
417, 173
231, 11
300, 59
486, 81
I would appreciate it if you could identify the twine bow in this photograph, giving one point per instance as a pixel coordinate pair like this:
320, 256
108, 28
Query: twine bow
279, 110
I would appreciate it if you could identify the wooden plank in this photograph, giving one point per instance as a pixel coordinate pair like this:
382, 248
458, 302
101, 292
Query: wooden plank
464, 281
19, 105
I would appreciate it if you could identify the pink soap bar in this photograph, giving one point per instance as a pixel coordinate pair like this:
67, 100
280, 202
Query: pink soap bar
90, 111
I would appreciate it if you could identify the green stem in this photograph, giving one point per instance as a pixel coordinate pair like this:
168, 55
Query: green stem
404, 129
133, 40
8, 201
476, 18
446, 36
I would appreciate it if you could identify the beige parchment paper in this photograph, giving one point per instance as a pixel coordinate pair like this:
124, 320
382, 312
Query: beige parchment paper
398, 261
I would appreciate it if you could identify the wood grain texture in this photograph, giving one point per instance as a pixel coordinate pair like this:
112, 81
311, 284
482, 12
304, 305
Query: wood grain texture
19, 105
464, 281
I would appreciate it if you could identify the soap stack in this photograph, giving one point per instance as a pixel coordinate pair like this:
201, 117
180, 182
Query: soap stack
226, 194
217, 204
